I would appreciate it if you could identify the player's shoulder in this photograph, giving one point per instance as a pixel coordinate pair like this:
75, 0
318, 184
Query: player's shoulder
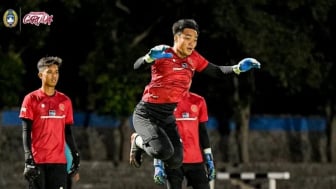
196, 96
33, 94
195, 54
197, 57
62, 95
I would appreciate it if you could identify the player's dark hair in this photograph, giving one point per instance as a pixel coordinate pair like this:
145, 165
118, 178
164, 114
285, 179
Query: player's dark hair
181, 24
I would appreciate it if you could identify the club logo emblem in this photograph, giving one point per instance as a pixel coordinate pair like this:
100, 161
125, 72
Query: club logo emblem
61, 107
194, 108
10, 18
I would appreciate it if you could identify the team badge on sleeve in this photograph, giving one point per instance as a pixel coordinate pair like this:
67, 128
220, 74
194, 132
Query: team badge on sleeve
23, 109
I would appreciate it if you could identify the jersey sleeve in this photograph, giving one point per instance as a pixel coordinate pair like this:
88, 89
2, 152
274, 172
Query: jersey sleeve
203, 111
201, 61
69, 113
26, 111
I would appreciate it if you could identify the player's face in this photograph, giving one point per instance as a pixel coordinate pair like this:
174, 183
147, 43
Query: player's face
49, 76
185, 42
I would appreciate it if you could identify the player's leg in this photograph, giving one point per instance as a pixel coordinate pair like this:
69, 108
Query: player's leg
56, 176
39, 181
196, 176
69, 182
136, 151
150, 135
175, 161
174, 178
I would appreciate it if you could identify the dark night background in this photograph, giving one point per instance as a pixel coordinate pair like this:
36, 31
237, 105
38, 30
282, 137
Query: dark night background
99, 41
293, 92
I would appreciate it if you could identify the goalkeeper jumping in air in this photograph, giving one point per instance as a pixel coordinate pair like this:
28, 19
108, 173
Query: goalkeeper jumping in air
172, 69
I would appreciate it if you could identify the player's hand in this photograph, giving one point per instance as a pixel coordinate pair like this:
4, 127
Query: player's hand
245, 65
210, 166
75, 164
30, 171
76, 177
157, 52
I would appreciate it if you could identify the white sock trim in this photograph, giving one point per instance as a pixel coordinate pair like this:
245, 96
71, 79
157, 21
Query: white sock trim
207, 151
139, 141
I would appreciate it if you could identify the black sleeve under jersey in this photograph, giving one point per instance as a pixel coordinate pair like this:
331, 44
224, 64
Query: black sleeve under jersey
69, 138
216, 71
26, 136
203, 136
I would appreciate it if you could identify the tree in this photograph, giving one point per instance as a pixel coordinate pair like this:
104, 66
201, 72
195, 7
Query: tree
12, 71
280, 36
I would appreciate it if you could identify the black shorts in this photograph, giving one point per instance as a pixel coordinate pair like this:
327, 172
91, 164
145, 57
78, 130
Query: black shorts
156, 125
52, 176
194, 173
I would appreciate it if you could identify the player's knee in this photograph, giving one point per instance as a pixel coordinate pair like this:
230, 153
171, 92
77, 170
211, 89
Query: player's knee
174, 162
163, 153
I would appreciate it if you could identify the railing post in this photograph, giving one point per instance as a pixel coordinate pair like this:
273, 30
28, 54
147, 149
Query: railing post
272, 184
271, 176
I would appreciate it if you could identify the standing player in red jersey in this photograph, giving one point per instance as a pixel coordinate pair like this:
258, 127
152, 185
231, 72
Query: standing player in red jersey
172, 69
47, 116
191, 116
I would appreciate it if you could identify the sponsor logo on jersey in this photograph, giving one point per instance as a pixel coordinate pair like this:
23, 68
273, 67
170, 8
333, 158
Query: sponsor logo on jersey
52, 112
185, 114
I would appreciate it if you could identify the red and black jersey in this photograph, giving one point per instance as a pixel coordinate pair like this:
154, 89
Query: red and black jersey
190, 111
49, 114
171, 77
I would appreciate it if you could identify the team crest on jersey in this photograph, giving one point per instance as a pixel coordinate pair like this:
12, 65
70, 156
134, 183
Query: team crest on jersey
52, 112
42, 105
185, 115
184, 65
61, 106
194, 108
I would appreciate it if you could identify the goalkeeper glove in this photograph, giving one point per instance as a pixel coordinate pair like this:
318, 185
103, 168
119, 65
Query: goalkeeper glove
245, 65
30, 171
157, 52
159, 174
75, 164
209, 164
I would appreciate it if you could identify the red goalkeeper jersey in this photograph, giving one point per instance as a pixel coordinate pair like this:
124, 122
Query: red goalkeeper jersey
171, 77
190, 111
49, 114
